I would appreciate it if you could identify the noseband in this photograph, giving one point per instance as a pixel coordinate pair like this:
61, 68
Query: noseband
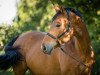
57, 38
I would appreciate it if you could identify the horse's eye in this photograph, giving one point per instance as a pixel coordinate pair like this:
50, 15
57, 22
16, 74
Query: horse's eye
58, 25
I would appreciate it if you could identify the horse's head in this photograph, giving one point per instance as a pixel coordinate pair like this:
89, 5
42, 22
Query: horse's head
61, 29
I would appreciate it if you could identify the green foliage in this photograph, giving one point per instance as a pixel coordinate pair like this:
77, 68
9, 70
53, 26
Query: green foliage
6, 33
37, 14
34, 15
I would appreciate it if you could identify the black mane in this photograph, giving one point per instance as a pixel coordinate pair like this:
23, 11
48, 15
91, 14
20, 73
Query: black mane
68, 9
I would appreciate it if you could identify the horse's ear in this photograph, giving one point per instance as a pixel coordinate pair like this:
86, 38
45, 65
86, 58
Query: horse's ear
59, 8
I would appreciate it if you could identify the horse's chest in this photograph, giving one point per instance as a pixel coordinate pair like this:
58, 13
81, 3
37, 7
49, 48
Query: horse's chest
68, 65
41, 64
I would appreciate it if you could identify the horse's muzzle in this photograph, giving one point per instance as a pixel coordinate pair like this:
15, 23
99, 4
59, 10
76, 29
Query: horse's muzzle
47, 48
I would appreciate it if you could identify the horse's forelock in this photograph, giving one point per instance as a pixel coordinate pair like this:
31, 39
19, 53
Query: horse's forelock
55, 16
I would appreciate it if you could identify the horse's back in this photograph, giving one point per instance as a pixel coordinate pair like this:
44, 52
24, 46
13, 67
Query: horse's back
28, 37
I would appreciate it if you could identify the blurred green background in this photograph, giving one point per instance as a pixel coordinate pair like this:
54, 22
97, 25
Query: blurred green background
37, 14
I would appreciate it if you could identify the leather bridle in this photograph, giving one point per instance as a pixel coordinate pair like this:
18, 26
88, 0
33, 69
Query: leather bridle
66, 31
58, 43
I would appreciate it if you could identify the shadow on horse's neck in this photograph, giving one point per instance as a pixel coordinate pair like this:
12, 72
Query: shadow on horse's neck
83, 40
80, 39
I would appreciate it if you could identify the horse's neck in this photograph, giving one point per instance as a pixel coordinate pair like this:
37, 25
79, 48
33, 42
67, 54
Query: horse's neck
82, 43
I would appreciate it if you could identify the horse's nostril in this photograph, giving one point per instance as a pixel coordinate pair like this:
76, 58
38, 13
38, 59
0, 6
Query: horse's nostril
45, 51
43, 47
47, 48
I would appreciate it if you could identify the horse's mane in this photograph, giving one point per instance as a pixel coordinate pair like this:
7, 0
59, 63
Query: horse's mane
68, 9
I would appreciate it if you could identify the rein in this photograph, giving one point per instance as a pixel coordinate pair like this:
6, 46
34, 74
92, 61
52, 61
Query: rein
57, 38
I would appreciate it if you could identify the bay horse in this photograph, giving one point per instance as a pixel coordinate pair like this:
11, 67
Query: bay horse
65, 50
